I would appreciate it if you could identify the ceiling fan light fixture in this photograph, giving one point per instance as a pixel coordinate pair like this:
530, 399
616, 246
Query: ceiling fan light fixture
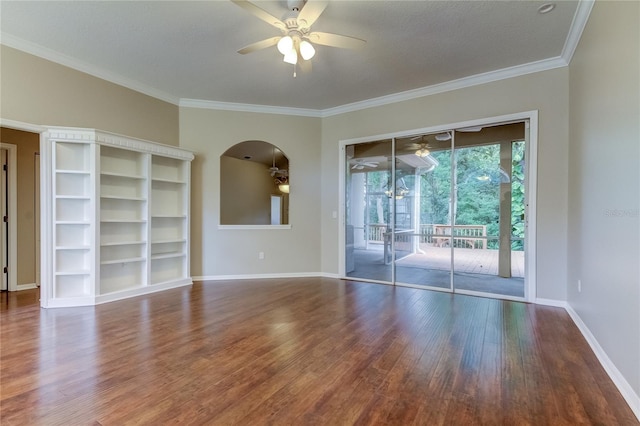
285, 45
295, 28
445, 136
306, 50
422, 152
284, 187
291, 57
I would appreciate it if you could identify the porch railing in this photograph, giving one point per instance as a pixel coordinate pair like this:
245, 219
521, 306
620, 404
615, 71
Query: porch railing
464, 236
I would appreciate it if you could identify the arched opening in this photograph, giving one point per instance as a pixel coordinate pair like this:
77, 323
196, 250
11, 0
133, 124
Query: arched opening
254, 185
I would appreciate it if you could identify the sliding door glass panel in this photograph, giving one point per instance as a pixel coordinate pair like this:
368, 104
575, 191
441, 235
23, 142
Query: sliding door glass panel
443, 211
488, 207
518, 209
369, 185
423, 211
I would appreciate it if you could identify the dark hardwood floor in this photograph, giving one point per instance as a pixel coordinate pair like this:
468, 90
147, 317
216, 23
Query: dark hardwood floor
300, 352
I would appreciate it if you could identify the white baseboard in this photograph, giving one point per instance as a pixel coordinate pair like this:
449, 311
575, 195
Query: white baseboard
552, 302
618, 379
327, 275
30, 286
264, 276
118, 295
139, 291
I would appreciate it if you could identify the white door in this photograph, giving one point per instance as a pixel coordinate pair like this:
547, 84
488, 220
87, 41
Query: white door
4, 234
276, 210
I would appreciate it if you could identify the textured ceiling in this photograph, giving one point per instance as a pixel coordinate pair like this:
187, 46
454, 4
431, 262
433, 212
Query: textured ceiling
187, 50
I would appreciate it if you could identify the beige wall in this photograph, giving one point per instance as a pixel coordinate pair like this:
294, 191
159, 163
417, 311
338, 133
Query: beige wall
604, 185
245, 192
209, 133
546, 92
37, 91
28, 144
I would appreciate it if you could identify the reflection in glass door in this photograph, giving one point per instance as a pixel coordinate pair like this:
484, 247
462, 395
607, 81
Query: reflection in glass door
423, 211
368, 226
488, 200
443, 211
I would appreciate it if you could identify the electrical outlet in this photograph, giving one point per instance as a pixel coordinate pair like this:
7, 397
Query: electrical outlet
261, 255
579, 286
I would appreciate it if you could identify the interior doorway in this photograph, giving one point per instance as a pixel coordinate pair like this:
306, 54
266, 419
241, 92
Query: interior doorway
22, 200
8, 216
443, 210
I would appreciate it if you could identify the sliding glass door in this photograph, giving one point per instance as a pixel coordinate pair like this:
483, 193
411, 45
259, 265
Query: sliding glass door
369, 209
443, 211
489, 214
423, 211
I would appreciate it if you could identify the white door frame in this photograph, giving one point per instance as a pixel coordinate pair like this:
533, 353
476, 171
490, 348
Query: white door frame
12, 212
530, 281
37, 196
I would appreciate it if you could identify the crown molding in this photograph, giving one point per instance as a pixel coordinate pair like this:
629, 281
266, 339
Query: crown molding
474, 80
578, 24
263, 109
488, 77
68, 61
580, 19
21, 125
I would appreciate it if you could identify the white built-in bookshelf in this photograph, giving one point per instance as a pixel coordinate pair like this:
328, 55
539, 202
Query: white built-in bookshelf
117, 217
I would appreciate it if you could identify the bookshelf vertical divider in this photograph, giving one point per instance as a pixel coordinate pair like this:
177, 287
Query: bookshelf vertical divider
117, 217
147, 247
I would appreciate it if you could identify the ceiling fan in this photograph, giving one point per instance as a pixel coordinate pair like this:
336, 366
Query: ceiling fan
296, 40
276, 171
359, 164
422, 148
446, 136
273, 171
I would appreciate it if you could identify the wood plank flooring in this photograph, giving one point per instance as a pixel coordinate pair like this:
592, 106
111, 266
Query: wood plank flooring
312, 351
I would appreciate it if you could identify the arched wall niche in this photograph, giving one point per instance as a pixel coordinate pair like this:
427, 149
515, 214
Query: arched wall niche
254, 185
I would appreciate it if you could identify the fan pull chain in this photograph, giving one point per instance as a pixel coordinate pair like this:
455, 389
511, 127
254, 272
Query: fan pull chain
294, 71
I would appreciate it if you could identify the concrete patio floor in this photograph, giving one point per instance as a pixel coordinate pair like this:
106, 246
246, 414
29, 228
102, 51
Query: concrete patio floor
474, 269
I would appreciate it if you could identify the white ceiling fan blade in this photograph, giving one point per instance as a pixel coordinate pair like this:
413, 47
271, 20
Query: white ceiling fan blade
263, 44
362, 163
310, 12
260, 14
336, 40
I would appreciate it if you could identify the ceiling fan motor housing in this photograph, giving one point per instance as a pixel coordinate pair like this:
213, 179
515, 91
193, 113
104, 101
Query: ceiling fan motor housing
295, 5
